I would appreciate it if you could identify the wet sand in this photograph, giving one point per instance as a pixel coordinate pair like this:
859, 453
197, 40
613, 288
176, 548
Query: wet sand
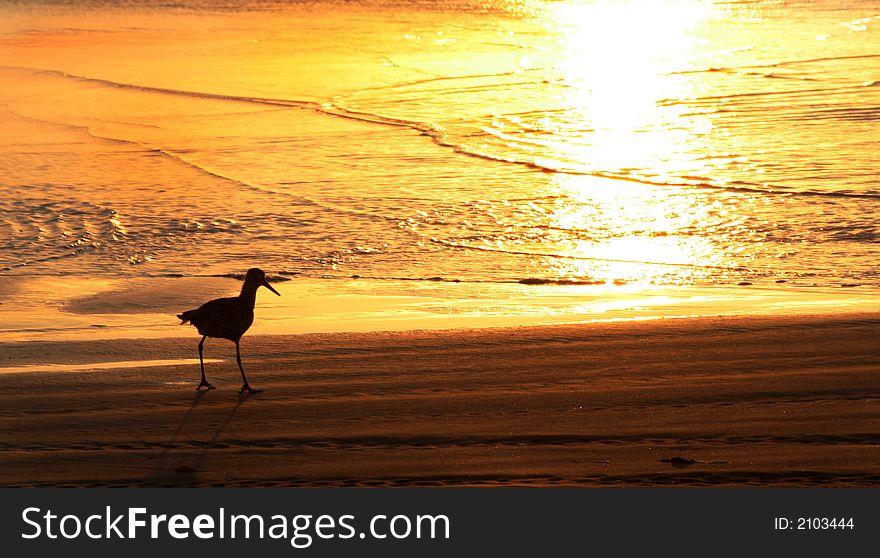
703, 401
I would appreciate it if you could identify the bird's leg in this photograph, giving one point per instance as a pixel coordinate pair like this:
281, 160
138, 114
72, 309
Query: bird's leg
202, 364
245, 387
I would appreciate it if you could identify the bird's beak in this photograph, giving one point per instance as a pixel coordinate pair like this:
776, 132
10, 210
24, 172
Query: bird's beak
268, 286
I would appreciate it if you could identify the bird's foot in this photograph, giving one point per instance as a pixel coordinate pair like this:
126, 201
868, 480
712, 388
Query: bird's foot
206, 385
249, 389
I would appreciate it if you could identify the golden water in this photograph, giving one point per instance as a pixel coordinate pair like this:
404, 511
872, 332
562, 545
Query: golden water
679, 143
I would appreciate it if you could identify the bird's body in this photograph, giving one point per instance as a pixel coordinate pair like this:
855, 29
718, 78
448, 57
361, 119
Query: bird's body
224, 318
228, 318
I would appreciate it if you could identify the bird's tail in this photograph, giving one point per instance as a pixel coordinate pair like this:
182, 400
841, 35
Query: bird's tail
185, 316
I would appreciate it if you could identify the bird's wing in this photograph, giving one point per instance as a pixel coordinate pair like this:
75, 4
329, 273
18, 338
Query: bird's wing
205, 313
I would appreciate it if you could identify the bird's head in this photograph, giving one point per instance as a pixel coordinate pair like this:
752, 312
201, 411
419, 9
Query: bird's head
257, 275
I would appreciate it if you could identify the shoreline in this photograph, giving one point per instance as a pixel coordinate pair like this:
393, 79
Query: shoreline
723, 401
46, 308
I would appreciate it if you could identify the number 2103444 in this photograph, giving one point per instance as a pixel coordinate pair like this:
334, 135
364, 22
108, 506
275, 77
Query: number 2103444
813, 523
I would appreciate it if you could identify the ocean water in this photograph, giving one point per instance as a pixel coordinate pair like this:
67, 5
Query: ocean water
600, 142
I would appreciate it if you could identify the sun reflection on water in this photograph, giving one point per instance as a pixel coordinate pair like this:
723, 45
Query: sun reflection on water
639, 233
617, 62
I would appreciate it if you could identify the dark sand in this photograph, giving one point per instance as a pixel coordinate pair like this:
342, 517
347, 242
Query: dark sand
711, 401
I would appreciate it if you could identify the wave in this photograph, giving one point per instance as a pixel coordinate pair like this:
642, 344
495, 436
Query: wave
520, 281
274, 278
177, 92
38, 231
542, 281
440, 137
780, 64
582, 258
823, 59
742, 71
283, 276
209, 172
277, 276
821, 92
855, 114
742, 186
436, 78
34, 261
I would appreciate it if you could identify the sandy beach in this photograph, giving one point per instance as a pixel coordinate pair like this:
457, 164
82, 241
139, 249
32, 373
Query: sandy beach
727, 401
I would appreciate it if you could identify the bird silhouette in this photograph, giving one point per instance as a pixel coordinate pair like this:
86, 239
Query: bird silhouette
228, 318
